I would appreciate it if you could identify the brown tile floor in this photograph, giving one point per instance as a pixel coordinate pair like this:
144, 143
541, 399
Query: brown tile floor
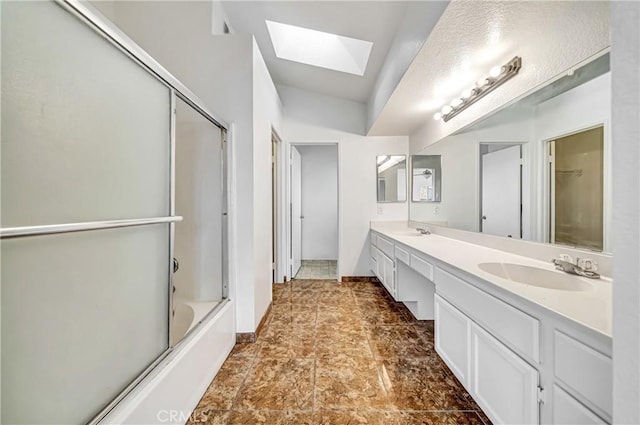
334, 353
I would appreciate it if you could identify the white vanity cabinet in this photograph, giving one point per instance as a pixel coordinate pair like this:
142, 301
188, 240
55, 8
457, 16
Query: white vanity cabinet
496, 351
406, 276
522, 363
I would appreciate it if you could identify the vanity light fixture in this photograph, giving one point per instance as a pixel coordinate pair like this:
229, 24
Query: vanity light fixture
497, 76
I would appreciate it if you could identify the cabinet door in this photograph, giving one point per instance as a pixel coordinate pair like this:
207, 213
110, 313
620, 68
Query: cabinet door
567, 410
385, 271
379, 264
453, 331
504, 385
389, 272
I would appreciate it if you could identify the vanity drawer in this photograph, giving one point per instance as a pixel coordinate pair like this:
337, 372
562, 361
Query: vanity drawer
373, 238
584, 370
402, 255
385, 246
421, 266
512, 326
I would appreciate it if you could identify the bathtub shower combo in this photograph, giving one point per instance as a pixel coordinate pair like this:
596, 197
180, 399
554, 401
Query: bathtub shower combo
113, 215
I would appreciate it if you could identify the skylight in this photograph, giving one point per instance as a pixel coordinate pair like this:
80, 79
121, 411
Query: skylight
319, 48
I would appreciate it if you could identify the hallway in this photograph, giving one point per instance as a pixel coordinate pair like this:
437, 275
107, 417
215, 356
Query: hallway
318, 269
334, 353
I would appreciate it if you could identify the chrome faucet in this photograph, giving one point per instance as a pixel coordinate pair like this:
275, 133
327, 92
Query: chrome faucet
424, 230
584, 267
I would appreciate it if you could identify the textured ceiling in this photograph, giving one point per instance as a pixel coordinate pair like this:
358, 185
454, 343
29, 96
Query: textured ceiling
375, 21
471, 37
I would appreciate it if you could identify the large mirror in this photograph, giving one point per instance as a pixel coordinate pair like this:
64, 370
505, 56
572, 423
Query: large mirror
426, 177
392, 178
539, 169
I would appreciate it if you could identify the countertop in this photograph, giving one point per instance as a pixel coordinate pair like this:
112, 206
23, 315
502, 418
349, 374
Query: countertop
591, 308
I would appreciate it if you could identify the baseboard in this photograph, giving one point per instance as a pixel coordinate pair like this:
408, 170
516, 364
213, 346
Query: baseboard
245, 337
359, 279
251, 337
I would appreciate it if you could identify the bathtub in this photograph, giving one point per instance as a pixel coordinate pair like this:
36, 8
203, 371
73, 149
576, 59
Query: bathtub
172, 390
187, 315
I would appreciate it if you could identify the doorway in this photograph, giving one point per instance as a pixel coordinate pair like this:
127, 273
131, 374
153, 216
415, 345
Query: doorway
314, 211
576, 189
501, 189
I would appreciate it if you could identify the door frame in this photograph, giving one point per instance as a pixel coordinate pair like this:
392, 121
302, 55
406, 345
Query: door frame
278, 221
287, 201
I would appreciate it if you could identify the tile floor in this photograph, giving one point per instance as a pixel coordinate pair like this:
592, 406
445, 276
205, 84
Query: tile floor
333, 353
318, 269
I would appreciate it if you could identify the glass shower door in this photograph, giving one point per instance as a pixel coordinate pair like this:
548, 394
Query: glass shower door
577, 189
85, 216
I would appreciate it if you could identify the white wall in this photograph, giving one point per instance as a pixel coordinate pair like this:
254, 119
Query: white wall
319, 202
625, 62
267, 112
313, 118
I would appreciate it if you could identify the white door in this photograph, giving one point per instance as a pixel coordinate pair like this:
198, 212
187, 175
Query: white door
501, 187
296, 211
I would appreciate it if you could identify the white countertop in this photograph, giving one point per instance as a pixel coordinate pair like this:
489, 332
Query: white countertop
591, 308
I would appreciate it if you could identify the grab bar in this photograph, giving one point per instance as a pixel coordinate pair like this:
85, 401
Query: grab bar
16, 232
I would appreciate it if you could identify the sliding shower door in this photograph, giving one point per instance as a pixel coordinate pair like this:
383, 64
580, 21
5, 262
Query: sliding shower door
199, 242
85, 216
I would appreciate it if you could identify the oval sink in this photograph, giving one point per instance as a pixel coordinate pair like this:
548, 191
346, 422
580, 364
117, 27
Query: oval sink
535, 277
409, 233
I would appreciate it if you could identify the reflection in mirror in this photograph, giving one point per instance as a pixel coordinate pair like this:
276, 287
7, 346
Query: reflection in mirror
501, 189
576, 191
426, 178
539, 169
392, 178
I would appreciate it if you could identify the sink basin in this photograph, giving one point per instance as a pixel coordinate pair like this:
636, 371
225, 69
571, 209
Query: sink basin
409, 233
535, 277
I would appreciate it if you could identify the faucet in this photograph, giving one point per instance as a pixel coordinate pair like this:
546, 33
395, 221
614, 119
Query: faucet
424, 230
584, 267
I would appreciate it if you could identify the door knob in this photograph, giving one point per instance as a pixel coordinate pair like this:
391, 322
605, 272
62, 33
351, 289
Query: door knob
484, 217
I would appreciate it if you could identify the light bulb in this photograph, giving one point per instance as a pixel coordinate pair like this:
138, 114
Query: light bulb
495, 71
446, 109
481, 83
437, 116
466, 94
456, 102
